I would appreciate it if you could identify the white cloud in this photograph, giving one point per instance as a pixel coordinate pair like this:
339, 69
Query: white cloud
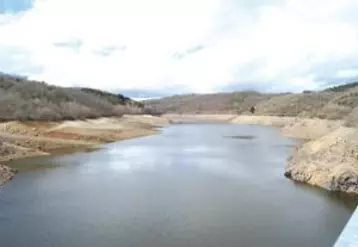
122, 44
347, 73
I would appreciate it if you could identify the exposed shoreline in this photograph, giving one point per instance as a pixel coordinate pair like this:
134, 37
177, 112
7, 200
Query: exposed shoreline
20, 140
328, 158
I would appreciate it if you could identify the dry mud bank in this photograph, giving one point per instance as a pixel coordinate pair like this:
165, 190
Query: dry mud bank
28, 139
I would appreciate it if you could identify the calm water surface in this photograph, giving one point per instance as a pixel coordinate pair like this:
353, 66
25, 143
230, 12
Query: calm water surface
192, 185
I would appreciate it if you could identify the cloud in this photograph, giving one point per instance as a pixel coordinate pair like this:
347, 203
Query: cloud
189, 51
74, 44
195, 46
109, 50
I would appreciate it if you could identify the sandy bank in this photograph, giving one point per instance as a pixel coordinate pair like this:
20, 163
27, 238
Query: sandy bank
330, 162
310, 129
28, 139
198, 118
262, 120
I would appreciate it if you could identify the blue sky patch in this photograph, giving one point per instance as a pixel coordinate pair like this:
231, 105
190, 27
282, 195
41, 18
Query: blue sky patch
14, 6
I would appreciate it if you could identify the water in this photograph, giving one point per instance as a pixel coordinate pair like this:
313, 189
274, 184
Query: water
192, 185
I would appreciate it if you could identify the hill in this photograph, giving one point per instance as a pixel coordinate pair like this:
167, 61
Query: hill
236, 102
342, 88
339, 102
23, 99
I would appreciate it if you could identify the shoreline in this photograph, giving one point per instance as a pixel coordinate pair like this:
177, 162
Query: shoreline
328, 157
22, 140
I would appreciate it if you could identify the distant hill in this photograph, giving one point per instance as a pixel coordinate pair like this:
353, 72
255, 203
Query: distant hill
342, 88
22, 99
236, 102
113, 98
340, 102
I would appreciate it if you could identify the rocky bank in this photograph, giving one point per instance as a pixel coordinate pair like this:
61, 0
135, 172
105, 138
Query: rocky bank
6, 174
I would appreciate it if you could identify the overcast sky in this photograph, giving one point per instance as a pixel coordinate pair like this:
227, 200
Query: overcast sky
159, 47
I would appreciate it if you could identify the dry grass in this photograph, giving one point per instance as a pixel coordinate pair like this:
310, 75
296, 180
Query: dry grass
237, 102
22, 99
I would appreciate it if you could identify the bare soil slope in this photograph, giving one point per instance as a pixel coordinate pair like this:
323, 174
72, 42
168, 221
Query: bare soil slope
330, 161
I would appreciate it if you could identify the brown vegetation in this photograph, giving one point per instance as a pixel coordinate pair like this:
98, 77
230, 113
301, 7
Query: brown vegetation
335, 103
237, 102
22, 99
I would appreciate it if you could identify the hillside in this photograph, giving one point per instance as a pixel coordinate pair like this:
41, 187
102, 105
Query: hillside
22, 99
236, 102
339, 102
342, 88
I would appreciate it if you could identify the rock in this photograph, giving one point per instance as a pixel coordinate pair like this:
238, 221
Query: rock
6, 174
288, 174
347, 181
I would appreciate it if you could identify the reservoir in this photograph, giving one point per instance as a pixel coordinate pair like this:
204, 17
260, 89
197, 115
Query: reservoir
206, 185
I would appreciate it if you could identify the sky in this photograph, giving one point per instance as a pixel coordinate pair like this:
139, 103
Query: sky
155, 48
